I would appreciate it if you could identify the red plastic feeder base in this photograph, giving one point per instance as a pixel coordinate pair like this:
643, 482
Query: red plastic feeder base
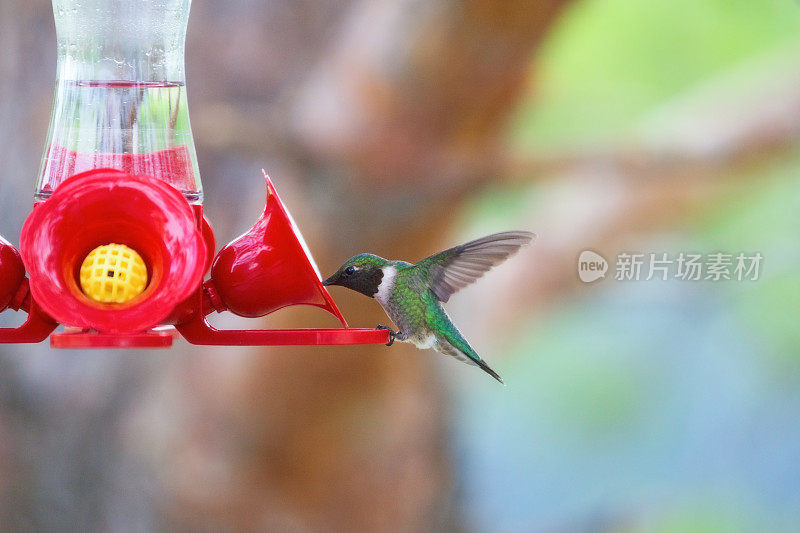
92, 339
205, 335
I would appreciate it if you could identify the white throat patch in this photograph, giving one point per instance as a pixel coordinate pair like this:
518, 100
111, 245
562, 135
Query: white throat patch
386, 286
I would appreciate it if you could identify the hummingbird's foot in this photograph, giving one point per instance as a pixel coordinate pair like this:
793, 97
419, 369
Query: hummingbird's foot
392, 334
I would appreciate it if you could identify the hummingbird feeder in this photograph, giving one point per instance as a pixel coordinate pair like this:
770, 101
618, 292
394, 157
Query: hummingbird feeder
116, 247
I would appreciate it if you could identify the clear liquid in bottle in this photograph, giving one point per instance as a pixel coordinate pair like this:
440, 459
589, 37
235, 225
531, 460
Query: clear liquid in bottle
120, 98
136, 127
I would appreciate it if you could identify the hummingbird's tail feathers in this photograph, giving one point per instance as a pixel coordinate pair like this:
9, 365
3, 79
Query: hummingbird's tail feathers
455, 346
486, 368
451, 270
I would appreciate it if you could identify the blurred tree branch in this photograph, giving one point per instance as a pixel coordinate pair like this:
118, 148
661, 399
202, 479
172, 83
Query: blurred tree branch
698, 133
691, 151
400, 112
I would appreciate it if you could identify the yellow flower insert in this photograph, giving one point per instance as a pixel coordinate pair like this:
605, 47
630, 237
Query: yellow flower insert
113, 273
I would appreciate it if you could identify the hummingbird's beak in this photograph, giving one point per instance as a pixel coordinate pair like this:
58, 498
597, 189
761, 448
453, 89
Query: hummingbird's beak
333, 279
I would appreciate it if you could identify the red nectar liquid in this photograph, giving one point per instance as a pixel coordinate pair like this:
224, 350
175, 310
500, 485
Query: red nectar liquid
136, 127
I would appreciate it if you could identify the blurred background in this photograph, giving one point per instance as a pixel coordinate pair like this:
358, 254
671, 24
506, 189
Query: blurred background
402, 127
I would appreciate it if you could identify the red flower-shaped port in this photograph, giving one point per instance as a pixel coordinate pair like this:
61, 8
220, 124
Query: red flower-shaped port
109, 206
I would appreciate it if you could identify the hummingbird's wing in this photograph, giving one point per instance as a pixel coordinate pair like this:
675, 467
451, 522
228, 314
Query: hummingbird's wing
451, 270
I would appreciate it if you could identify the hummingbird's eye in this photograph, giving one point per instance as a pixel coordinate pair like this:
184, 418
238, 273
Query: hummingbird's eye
349, 270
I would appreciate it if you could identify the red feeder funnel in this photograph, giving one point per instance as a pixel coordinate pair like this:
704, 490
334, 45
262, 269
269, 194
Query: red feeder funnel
268, 268
12, 273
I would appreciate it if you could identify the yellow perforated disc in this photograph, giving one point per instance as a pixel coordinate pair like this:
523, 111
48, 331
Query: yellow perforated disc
113, 273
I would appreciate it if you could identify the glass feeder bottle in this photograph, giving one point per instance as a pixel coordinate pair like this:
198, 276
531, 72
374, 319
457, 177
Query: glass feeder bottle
120, 97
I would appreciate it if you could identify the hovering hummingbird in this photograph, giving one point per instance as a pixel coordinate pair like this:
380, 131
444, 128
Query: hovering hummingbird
412, 294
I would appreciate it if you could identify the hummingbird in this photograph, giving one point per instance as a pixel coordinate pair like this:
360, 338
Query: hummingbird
412, 294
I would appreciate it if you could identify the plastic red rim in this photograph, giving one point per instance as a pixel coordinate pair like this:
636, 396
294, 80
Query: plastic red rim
102, 206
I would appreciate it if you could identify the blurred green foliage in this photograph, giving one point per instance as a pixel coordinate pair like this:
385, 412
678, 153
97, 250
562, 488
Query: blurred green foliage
763, 214
609, 61
664, 407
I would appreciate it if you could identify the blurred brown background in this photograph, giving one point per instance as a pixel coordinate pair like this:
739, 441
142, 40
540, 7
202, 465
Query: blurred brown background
375, 120
395, 126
